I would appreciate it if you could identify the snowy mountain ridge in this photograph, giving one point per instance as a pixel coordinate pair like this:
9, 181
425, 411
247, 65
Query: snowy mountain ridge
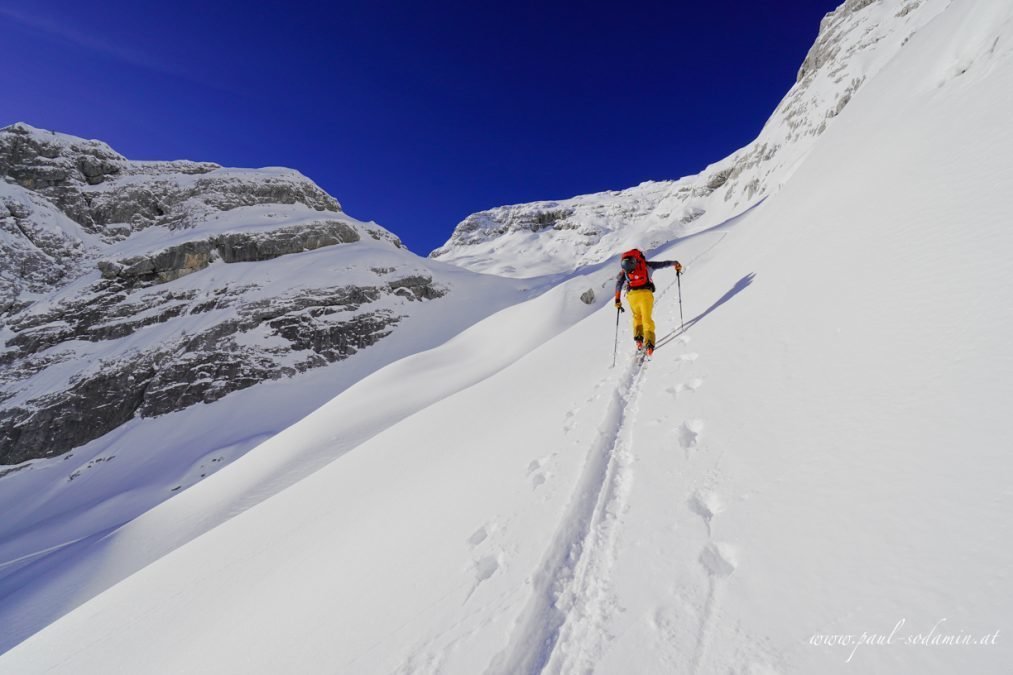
855, 42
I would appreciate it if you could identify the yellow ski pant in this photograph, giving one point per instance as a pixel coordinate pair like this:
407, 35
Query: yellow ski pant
642, 304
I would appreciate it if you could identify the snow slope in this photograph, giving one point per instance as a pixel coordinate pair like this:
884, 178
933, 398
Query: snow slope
823, 451
70, 540
227, 349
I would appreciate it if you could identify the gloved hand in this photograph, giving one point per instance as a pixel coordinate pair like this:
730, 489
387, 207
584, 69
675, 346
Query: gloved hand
678, 267
619, 304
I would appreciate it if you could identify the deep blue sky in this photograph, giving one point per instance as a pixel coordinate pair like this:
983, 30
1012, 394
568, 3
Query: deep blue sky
412, 114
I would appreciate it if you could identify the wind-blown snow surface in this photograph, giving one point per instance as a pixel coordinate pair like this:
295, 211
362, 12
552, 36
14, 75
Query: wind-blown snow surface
823, 451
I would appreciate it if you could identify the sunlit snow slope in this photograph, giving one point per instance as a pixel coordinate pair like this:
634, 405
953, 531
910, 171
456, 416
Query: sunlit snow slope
824, 450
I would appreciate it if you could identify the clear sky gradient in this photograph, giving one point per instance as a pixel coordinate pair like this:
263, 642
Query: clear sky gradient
412, 114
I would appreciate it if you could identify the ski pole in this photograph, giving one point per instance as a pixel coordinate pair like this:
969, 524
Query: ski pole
678, 278
615, 350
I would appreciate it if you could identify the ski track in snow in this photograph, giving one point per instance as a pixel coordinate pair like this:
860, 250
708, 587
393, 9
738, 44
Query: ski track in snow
570, 602
564, 629
588, 600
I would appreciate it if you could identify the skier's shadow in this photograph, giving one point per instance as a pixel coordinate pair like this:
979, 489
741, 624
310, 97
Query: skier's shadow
739, 286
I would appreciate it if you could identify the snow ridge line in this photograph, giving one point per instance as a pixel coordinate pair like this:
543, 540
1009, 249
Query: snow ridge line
564, 575
44, 551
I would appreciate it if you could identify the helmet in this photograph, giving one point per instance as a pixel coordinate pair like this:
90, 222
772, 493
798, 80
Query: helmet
629, 264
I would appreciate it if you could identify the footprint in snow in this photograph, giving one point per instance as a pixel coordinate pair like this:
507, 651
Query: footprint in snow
570, 421
718, 560
692, 385
484, 568
706, 504
689, 434
537, 473
478, 536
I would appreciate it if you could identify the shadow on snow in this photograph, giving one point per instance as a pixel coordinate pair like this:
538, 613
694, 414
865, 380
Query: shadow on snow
740, 285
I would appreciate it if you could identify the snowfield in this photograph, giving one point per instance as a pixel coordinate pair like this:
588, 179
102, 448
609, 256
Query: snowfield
813, 476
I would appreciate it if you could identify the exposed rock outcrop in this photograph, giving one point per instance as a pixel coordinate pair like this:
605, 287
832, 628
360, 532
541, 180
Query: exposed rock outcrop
310, 330
109, 195
177, 261
95, 328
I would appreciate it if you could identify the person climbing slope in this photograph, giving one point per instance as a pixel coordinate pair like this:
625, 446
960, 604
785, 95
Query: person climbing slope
636, 277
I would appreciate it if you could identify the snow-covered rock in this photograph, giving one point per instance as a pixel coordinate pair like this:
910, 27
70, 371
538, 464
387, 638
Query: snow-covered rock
93, 242
136, 289
855, 41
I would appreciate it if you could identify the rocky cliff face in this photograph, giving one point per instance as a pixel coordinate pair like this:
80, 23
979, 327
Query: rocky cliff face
135, 289
854, 43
